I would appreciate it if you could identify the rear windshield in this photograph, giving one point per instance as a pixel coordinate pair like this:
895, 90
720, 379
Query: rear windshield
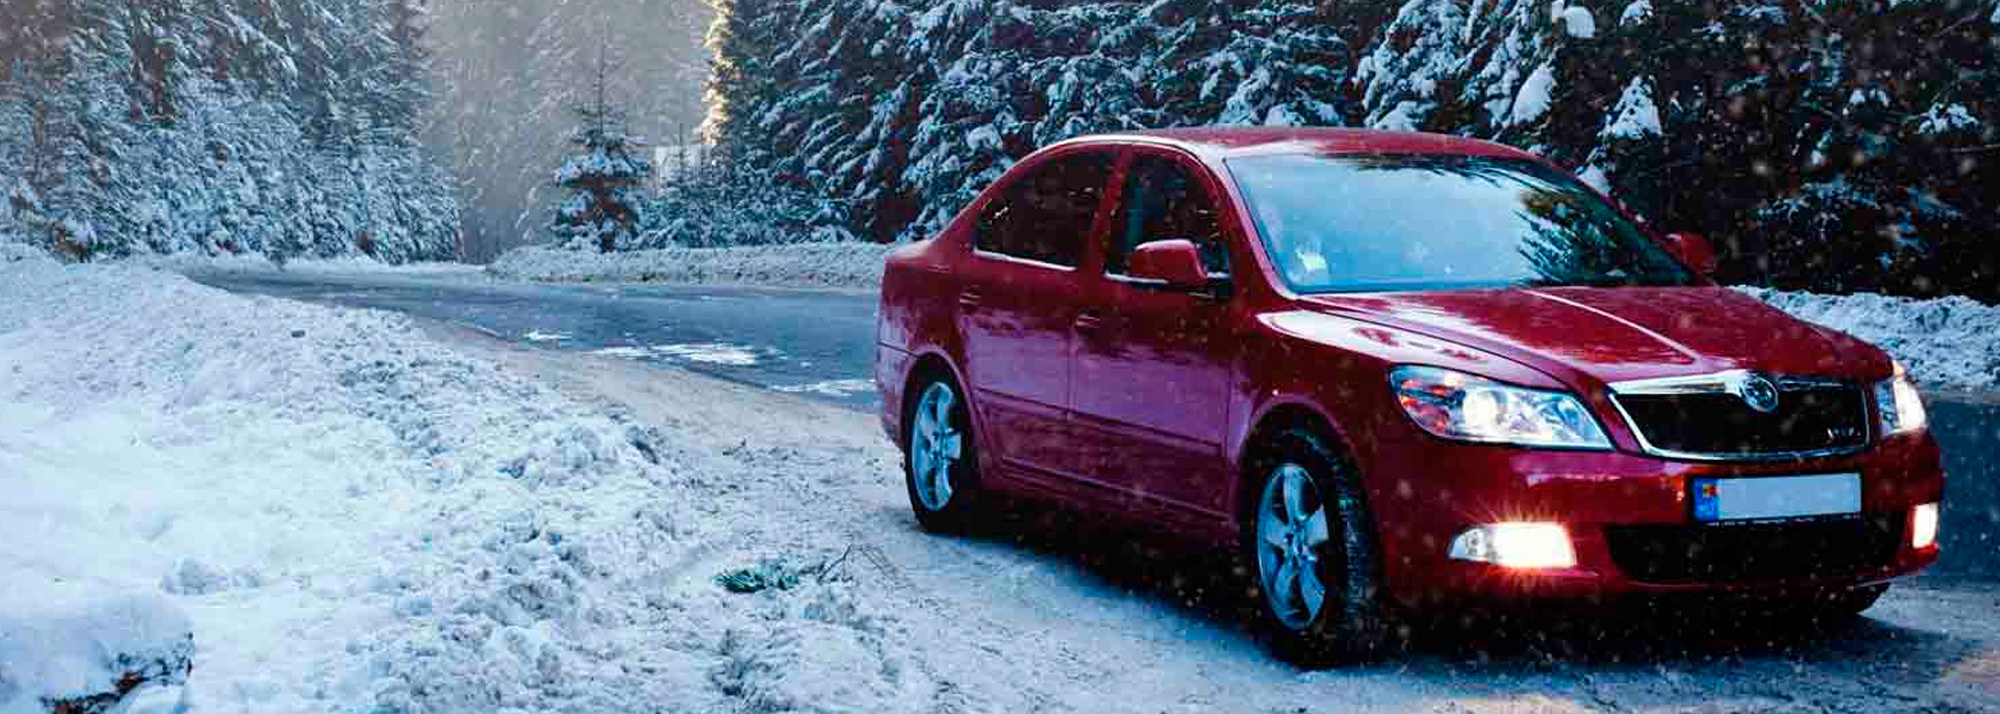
1421, 222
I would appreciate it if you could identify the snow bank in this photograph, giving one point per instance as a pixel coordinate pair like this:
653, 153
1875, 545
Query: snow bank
836, 265
347, 515
11, 252
1951, 342
250, 262
67, 641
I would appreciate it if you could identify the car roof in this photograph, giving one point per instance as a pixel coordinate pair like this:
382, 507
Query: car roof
1224, 142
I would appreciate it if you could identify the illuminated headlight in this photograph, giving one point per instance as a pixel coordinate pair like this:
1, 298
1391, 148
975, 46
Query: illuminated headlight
1516, 545
1924, 526
1900, 407
1456, 405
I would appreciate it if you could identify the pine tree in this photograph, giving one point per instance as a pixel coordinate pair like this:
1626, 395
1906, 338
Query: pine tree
604, 179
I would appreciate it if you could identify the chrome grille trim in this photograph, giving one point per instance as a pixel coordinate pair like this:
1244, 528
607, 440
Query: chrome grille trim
1731, 382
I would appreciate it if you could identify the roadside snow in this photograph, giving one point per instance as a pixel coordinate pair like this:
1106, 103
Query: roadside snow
243, 262
67, 640
832, 265
1951, 343
348, 515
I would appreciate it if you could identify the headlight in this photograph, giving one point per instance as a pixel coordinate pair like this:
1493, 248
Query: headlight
1461, 406
1900, 408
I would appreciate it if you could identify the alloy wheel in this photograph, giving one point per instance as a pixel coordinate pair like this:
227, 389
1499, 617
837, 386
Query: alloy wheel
1291, 536
935, 446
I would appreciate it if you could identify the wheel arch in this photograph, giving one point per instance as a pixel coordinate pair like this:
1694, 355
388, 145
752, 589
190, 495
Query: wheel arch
1271, 419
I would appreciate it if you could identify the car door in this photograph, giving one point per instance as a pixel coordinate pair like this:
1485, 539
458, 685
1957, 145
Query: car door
1152, 366
1018, 300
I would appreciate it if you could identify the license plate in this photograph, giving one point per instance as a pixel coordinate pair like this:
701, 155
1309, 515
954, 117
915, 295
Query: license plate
1776, 497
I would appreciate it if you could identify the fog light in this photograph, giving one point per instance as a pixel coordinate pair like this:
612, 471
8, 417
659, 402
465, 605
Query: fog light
1924, 526
1516, 545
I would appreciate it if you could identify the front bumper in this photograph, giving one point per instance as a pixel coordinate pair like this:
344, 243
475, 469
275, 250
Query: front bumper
1630, 519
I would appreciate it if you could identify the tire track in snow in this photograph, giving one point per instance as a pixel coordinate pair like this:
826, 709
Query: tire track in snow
950, 694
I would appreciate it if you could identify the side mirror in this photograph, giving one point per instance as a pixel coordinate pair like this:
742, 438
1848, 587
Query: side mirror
1694, 251
1174, 264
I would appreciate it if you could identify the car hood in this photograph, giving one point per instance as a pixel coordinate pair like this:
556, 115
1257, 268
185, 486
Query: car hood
1583, 335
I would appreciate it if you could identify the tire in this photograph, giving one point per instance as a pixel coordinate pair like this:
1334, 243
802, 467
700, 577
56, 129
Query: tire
1333, 543
941, 467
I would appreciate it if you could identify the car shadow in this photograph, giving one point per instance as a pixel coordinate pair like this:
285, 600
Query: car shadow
1451, 643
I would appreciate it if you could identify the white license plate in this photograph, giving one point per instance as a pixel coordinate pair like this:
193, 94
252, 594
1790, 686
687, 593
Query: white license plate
1776, 497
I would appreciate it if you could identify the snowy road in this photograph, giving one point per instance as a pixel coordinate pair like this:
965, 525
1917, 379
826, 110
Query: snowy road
815, 343
1041, 617
819, 344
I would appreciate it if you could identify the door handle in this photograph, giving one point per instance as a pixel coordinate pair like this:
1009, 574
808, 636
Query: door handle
1089, 321
968, 300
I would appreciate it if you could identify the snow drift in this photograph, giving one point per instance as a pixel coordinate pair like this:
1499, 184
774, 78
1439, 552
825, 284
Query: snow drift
345, 514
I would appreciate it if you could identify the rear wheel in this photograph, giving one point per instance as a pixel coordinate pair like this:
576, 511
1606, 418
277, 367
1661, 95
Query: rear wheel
1310, 550
940, 463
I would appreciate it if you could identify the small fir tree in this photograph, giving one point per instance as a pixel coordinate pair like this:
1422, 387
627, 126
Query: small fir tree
604, 178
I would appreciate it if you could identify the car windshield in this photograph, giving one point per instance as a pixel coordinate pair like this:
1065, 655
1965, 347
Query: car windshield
1427, 222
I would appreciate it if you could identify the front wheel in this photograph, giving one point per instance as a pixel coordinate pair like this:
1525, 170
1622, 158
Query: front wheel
1311, 549
940, 463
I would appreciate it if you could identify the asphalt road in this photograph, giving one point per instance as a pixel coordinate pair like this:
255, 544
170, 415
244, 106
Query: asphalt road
818, 344
814, 343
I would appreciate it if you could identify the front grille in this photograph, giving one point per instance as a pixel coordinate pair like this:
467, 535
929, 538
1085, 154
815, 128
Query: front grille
1755, 551
1811, 417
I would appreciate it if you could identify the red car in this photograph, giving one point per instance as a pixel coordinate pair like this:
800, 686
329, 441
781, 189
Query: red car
1394, 369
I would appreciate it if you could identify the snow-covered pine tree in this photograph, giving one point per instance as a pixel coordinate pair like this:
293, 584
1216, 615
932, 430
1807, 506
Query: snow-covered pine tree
1248, 62
604, 178
1738, 119
190, 125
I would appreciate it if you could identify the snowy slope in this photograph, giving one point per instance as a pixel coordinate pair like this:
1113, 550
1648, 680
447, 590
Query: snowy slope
350, 515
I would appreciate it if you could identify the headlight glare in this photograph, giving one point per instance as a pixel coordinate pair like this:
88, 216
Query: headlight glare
1456, 405
1899, 406
1522, 546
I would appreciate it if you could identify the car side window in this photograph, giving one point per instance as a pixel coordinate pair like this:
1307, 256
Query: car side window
1162, 200
1046, 215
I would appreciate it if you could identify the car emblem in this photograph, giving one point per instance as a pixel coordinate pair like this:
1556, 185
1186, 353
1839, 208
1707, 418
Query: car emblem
1759, 393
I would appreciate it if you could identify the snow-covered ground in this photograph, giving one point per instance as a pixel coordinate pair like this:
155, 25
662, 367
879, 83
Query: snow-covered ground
352, 511
1948, 343
826, 265
348, 515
